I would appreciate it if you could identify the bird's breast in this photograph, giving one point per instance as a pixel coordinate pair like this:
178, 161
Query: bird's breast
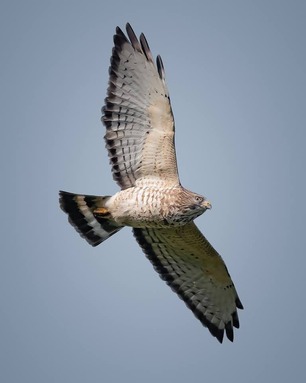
145, 207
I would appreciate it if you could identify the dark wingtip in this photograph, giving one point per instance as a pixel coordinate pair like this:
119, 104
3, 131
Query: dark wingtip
235, 320
146, 49
160, 67
239, 304
219, 334
120, 33
133, 38
229, 331
119, 39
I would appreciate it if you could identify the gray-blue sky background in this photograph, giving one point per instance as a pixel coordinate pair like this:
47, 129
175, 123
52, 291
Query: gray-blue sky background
236, 75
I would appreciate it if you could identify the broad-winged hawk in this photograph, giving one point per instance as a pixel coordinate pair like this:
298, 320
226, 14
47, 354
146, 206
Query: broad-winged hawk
140, 141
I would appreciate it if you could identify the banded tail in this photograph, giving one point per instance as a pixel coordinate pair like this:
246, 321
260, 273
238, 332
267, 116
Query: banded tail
88, 215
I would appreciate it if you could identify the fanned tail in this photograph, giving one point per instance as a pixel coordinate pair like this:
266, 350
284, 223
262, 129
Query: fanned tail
88, 215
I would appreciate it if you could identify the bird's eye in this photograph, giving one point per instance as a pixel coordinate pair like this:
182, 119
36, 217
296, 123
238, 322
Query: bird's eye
199, 198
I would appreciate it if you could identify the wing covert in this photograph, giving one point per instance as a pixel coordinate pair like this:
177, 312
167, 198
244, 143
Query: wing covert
138, 115
196, 272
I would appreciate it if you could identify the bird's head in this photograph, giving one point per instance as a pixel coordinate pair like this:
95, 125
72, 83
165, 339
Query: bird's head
200, 203
195, 204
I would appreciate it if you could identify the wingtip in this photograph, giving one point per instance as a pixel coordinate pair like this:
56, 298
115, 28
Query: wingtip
229, 331
145, 48
219, 334
133, 38
160, 67
239, 304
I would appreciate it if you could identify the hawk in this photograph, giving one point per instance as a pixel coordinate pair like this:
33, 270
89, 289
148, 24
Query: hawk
140, 141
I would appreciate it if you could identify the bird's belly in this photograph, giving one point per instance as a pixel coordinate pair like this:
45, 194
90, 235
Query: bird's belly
141, 207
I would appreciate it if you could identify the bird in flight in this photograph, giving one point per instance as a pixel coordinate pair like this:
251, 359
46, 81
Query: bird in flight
139, 139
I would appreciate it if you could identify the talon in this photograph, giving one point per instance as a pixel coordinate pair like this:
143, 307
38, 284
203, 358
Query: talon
101, 211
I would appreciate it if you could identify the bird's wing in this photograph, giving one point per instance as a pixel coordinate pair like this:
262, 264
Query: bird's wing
138, 115
195, 271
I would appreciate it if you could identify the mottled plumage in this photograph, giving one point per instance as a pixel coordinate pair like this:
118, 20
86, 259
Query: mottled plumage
140, 141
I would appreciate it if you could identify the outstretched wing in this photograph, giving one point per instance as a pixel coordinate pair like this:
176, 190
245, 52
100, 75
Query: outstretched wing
195, 271
138, 115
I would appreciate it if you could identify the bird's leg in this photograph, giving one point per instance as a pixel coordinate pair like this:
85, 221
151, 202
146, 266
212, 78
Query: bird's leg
101, 212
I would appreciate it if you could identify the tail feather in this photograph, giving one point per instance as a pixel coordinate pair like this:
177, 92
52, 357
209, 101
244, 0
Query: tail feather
84, 215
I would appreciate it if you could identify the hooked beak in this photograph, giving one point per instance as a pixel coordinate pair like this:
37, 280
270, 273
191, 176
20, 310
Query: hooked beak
207, 204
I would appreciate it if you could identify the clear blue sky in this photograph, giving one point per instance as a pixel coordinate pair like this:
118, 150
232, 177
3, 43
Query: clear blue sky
236, 75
